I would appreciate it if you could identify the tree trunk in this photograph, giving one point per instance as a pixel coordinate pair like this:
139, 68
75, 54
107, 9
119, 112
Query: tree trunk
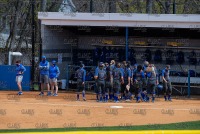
112, 6
149, 6
167, 6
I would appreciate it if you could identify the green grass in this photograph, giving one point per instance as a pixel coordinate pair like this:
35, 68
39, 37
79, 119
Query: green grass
194, 125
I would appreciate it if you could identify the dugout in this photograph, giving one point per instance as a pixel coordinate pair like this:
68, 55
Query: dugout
93, 37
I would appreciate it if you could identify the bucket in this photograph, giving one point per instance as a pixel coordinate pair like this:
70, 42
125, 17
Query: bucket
63, 84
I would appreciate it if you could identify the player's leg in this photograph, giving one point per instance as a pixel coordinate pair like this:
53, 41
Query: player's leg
111, 92
153, 89
106, 91
100, 91
123, 86
78, 89
83, 91
56, 87
42, 84
115, 88
165, 90
46, 81
139, 96
19, 81
149, 90
169, 87
51, 85
97, 90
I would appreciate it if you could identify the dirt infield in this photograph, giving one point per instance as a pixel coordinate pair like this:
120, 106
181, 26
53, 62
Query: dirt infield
33, 111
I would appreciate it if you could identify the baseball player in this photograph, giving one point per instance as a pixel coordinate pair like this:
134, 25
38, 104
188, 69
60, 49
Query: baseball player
152, 80
117, 80
44, 76
138, 77
127, 81
53, 75
167, 83
81, 73
20, 69
96, 84
100, 76
108, 85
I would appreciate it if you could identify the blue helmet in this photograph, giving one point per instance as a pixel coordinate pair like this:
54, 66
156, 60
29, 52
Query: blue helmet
53, 62
160, 87
43, 57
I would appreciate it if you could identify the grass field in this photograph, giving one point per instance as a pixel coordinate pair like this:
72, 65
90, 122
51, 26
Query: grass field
195, 125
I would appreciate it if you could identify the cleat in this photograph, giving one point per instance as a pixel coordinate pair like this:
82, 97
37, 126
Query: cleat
77, 100
48, 94
128, 100
19, 93
55, 94
116, 101
84, 99
41, 94
138, 101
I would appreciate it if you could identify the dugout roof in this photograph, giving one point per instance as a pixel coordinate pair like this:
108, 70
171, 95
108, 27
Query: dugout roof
191, 21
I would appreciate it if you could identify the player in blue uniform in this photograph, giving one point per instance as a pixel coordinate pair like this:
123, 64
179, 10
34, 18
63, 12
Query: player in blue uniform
54, 72
81, 73
96, 84
109, 88
152, 80
138, 77
167, 83
117, 75
20, 69
112, 67
100, 76
44, 76
127, 81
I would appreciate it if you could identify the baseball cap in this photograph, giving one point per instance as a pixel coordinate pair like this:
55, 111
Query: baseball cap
43, 57
54, 62
101, 64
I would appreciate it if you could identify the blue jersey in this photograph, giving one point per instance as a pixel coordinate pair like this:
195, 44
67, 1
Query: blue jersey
20, 69
117, 74
54, 72
165, 74
138, 75
101, 74
126, 73
96, 71
81, 73
44, 68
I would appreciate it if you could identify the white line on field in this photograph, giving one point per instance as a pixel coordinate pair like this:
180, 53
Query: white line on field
110, 106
